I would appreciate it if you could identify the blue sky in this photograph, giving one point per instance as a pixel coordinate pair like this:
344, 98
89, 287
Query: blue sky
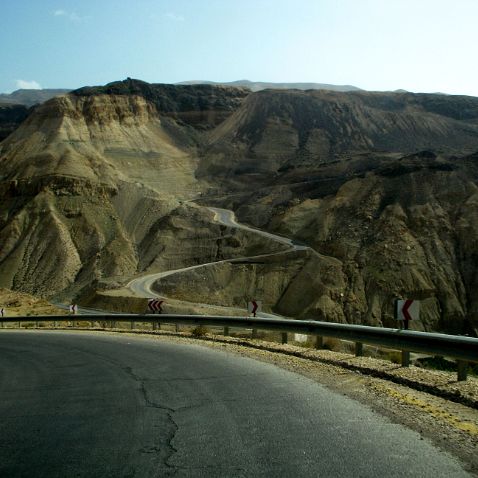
418, 45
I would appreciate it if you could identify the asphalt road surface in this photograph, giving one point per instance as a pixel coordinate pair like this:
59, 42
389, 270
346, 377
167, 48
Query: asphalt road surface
76, 404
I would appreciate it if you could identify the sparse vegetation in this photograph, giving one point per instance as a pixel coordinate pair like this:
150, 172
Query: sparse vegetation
199, 331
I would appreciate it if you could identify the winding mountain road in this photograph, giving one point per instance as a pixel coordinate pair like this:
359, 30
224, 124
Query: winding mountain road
143, 286
97, 405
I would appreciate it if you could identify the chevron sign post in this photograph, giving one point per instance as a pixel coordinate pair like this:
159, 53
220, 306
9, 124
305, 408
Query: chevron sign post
407, 310
154, 305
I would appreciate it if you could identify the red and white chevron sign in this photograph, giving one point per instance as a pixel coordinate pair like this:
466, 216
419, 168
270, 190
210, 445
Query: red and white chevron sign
254, 306
408, 309
154, 305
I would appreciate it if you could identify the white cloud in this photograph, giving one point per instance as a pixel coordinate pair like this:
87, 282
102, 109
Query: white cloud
28, 85
74, 17
174, 16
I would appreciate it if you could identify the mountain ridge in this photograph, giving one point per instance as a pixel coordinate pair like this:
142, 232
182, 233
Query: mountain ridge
263, 85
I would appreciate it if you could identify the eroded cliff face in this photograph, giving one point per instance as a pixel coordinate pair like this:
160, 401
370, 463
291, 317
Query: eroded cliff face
97, 187
287, 136
406, 228
94, 190
104, 139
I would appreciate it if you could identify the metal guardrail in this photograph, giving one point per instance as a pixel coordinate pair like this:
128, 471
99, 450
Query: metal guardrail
463, 349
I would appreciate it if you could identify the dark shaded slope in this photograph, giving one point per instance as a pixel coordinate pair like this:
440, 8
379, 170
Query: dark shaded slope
278, 132
11, 116
199, 105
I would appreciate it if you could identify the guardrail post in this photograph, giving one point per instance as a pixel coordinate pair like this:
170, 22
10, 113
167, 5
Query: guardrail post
405, 358
132, 324
284, 337
319, 342
177, 328
462, 370
254, 333
37, 324
226, 330
358, 349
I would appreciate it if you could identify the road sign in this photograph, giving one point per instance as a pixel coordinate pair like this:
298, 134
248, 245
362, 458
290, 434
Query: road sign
407, 309
254, 306
154, 305
73, 309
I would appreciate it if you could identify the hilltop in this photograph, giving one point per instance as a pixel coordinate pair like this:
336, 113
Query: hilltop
265, 85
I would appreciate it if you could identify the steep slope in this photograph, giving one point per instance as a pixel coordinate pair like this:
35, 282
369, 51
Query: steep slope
341, 173
100, 138
400, 226
289, 134
91, 190
201, 106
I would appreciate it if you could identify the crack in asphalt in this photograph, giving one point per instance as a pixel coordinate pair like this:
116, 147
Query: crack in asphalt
166, 451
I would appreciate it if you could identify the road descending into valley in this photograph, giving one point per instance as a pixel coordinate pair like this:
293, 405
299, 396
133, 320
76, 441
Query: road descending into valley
80, 404
143, 286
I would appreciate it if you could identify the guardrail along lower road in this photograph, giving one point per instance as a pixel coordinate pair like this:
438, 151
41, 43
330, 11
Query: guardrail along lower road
462, 349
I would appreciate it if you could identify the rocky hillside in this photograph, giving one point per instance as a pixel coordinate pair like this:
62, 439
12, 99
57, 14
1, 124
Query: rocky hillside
201, 106
106, 183
398, 227
289, 134
94, 189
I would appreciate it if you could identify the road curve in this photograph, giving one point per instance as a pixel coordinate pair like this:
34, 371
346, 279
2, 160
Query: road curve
83, 404
143, 286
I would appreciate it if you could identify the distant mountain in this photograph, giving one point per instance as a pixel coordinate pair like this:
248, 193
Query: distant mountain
30, 97
264, 85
